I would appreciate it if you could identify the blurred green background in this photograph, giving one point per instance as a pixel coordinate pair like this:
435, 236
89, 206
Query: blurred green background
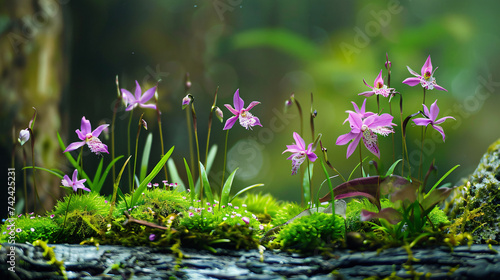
267, 49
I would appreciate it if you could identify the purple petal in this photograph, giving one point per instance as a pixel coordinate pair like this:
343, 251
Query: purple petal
147, 106
75, 174
367, 93
345, 138
422, 121
85, 126
376, 120
131, 106
371, 144
252, 105
310, 154
237, 101
147, 95
80, 135
66, 181
426, 111
434, 111
230, 108
127, 95
299, 141
73, 146
230, 122
293, 149
352, 147
355, 122
441, 120
138, 91
427, 66
257, 121
99, 129
379, 80
412, 72
412, 81
439, 129
438, 87
367, 84
363, 110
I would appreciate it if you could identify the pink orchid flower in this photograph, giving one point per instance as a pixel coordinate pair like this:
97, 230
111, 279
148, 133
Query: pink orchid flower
366, 129
247, 120
378, 87
89, 137
74, 183
138, 99
426, 77
431, 118
361, 112
299, 152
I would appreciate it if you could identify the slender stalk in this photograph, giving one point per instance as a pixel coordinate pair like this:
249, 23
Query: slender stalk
158, 115
300, 116
313, 115
210, 117
35, 197
390, 112
67, 208
195, 127
328, 162
24, 182
310, 185
360, 162
224, 165
115, 109
190, 136
135, 153
421, 153
378, 104
128, 151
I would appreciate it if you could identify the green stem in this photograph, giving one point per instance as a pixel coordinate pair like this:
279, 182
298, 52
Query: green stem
36, 197
24, 182
128, 151
210, 117
328, 162
135, 153
224, 165
161, 140
378, 104
421, 153
310, 185
360, 162
67, 208
115, 109
190, 136
195, 127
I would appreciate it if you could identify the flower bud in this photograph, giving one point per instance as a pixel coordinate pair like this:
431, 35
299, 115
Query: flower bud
144, 124
387, 63
186, 101
219, 114
24, 136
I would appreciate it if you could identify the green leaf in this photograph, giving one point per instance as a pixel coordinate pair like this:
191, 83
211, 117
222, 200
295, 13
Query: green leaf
442, 178
55, 172
174, 176
98, 186
206, 185
245, 189
393, 166
190, 182
227, 188
116, 189
329, 184
211, 157
308, 173
74, 162
98, 172
145, 157
152, 174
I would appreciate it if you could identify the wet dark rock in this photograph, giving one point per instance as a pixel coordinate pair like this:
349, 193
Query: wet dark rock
86, 262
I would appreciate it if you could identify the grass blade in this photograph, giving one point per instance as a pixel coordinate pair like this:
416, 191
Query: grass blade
98, 185
145, 157
174, 176
227, 188
206, 185
246, 189
190, 182
55, 172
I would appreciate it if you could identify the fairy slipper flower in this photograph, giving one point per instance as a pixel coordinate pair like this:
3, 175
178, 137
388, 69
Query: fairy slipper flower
431, 118
366, 129
299, 152
378, 87
138, 99
247, 120
89, 137
74, 182
426, 77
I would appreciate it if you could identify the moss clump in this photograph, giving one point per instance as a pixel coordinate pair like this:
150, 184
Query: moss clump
311, 232
481, 191
265, 206
353, 213
287, 212
30, 227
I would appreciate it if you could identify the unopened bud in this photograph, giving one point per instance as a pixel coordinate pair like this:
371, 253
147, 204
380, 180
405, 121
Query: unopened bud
186, 101
219, 114
387, 63
24, 136
144, 124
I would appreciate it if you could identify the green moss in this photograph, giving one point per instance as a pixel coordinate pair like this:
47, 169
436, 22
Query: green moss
311, 232
353, 213
287, 211
265, 206
30, 228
